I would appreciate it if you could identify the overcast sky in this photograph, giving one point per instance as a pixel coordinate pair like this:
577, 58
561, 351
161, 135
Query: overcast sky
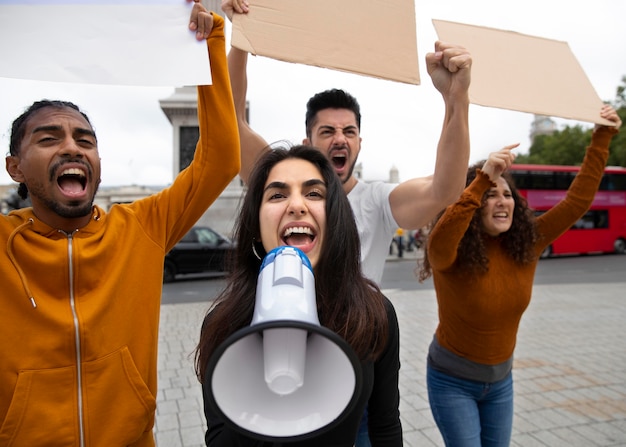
401, 123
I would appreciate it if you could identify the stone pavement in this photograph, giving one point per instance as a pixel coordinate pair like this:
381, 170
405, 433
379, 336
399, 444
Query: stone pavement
569, 372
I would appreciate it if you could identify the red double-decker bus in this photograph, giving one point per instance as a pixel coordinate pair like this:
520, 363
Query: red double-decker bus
601, 230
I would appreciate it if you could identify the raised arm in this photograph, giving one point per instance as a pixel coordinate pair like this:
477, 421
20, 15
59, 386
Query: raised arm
252, 144
582, 190
216, 158
416, 202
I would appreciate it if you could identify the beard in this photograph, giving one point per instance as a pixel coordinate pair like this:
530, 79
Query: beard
70, 210
348, 174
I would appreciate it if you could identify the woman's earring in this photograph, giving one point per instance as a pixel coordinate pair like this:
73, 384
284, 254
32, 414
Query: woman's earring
255, 252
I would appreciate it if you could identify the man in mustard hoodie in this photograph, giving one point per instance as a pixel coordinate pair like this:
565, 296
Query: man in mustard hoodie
80, 287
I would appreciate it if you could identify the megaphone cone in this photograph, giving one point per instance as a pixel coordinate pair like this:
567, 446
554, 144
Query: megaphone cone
285, 377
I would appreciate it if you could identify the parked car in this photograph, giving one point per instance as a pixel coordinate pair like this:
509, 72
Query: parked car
201, 250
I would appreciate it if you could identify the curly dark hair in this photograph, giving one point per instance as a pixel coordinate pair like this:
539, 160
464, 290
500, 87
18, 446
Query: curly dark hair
518, 241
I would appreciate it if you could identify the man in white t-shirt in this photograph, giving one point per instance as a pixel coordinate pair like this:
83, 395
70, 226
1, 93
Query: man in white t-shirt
333, 126
333, 121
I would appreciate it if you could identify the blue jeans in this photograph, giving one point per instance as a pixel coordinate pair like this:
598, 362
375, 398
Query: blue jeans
363, 437
469, 413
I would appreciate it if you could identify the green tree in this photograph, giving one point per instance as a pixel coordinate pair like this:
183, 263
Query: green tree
567, 146
618, 145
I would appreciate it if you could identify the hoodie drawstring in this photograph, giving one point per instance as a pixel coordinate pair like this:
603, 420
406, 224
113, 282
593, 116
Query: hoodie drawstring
14, 261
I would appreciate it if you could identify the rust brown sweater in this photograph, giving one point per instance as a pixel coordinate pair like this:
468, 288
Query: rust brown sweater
479, 319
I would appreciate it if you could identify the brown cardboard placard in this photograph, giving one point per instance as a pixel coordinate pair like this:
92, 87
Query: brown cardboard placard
370, 38
525, 73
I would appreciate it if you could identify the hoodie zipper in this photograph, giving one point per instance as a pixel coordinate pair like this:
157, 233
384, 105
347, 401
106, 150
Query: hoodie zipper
79, 368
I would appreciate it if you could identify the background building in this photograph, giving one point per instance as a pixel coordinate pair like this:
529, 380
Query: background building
542, 125
181, 109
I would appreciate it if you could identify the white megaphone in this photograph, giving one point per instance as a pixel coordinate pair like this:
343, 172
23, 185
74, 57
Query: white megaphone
285, 377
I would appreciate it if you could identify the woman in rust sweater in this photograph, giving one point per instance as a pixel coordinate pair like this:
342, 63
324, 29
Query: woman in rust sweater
482, 253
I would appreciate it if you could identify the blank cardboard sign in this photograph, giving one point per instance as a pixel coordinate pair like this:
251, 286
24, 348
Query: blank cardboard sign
372, 38
524, 73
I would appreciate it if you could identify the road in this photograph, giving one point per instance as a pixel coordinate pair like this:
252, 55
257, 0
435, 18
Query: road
558, 270
399, 274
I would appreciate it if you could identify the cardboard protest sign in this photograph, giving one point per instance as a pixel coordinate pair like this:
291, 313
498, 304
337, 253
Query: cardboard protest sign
525, 73
368, 38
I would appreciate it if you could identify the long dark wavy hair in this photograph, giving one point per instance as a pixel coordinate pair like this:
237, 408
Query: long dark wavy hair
347, 302
518, 241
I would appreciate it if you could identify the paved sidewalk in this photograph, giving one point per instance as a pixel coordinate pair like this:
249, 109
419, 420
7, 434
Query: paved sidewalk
569, 372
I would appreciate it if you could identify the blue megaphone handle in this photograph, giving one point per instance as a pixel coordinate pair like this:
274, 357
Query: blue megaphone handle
269, 258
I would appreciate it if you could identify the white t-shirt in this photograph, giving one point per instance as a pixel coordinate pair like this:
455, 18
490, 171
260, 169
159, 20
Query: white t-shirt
376, 225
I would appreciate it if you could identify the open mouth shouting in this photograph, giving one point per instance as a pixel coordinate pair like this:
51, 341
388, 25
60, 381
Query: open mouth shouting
72, 181
302, 237
339, 160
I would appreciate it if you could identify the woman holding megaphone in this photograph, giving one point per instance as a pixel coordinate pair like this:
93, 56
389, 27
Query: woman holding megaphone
295, 223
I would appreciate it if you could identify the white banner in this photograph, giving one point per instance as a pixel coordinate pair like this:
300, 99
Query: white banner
118, 42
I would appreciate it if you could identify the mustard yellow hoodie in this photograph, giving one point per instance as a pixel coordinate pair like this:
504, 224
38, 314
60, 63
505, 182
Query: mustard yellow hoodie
80, 313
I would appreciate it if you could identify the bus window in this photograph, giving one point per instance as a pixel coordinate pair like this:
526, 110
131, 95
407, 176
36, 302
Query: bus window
594, 219
613, 182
